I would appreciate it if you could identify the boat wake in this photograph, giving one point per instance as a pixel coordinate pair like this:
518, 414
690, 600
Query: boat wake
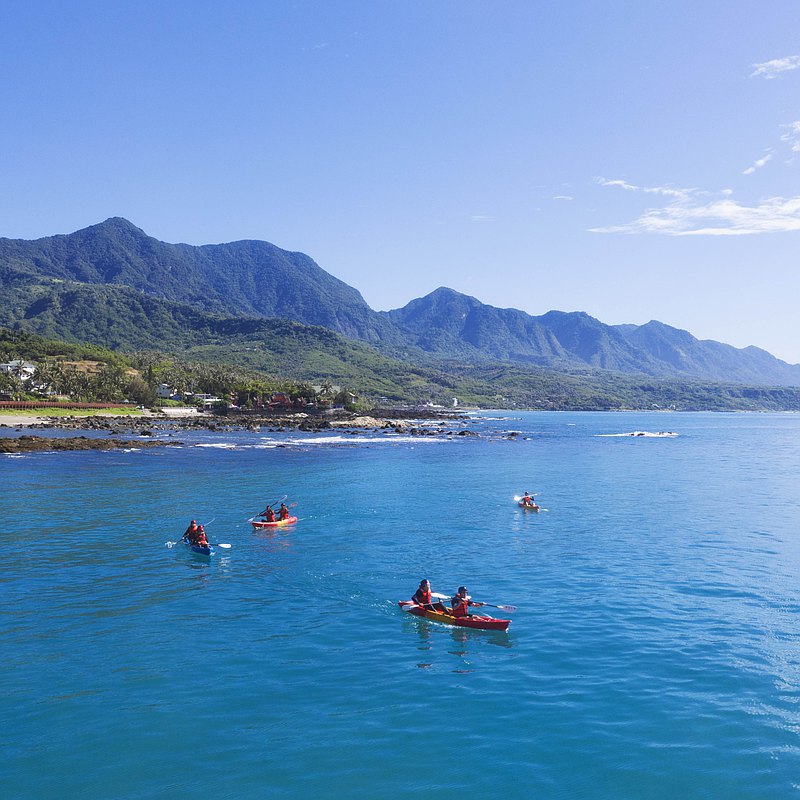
337, 440
647, 434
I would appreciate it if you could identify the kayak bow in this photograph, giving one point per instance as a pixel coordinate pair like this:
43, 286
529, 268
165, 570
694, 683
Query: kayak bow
477, 621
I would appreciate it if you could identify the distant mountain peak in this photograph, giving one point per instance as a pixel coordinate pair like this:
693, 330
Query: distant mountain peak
116, 224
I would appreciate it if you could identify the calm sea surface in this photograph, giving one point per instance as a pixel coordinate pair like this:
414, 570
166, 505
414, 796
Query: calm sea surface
655, 652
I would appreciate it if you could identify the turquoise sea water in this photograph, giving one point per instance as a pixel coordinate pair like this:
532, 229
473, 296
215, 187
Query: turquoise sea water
655, 652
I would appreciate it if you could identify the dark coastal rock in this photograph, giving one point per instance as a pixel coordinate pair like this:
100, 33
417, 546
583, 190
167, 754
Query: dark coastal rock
31, 444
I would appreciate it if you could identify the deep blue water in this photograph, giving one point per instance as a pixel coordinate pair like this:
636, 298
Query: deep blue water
654, 653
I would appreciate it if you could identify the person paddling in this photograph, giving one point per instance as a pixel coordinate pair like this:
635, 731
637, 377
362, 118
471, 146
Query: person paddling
269, 514
528, 500
283, 511
200, 537
190, 532
460, 603
424, 598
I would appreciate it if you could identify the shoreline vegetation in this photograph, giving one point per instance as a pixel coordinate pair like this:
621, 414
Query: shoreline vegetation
235, 378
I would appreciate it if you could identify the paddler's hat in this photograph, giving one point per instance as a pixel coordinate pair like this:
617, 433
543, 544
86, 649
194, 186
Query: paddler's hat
462, 590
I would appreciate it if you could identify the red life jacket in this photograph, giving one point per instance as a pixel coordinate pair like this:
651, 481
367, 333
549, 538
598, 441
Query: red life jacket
284, 512
270, 515
460, 606
422, 598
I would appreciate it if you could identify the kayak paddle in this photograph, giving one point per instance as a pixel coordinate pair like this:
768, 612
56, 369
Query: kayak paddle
264, 512
491, 605
510, 609
223, 545
273, 504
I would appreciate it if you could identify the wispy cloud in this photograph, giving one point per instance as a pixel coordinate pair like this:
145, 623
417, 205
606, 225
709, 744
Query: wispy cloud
771, 69
481, 218
720, 217
667, 191
758, 164
792, 136
563, 197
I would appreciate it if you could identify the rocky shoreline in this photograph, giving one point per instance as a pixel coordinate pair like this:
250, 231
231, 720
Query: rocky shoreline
414, 423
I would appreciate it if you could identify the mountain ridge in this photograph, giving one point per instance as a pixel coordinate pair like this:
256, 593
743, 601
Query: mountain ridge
256, 278
448, 319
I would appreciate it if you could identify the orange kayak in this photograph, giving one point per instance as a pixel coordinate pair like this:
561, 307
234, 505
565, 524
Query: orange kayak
480, 622
279, 523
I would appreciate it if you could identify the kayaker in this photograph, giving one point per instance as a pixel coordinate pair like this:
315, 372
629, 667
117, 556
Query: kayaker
423, 597
269, 514
283, 512
190, 531
200, 537
460, 603
527, 499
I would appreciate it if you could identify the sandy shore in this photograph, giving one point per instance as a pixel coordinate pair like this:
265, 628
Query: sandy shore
24, 420
19, 420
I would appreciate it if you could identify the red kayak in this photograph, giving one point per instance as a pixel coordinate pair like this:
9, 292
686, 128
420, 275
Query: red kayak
279, 523
472, 621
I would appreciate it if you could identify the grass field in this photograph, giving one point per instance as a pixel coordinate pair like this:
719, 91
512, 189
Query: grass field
44, 411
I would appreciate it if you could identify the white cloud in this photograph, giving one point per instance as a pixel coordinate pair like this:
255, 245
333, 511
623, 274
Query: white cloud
793, 136
481, 218
668, 191
563, 197
721, 217
758, 164
771, 69
622, 184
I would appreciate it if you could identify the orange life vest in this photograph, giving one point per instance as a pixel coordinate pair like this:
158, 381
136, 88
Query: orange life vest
422, 598
460, 606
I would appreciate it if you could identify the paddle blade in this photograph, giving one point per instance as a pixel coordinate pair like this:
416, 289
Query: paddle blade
510, 609
222, 544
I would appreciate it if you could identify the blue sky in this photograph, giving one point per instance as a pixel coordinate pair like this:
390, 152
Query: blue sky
635, 160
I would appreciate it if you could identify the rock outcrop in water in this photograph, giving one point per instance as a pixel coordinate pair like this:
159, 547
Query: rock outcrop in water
32, 444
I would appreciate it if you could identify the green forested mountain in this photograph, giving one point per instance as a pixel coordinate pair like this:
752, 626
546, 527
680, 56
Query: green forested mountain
446, 322
284, 351
248, 277
114, 285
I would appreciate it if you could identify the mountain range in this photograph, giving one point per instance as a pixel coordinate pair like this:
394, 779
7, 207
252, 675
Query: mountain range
114, 285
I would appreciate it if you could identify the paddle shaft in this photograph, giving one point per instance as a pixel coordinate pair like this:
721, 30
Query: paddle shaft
491, 605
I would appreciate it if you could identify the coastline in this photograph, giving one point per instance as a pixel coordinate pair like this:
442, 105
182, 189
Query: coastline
412, 422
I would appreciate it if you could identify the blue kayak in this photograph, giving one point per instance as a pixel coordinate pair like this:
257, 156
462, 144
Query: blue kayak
199, 549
